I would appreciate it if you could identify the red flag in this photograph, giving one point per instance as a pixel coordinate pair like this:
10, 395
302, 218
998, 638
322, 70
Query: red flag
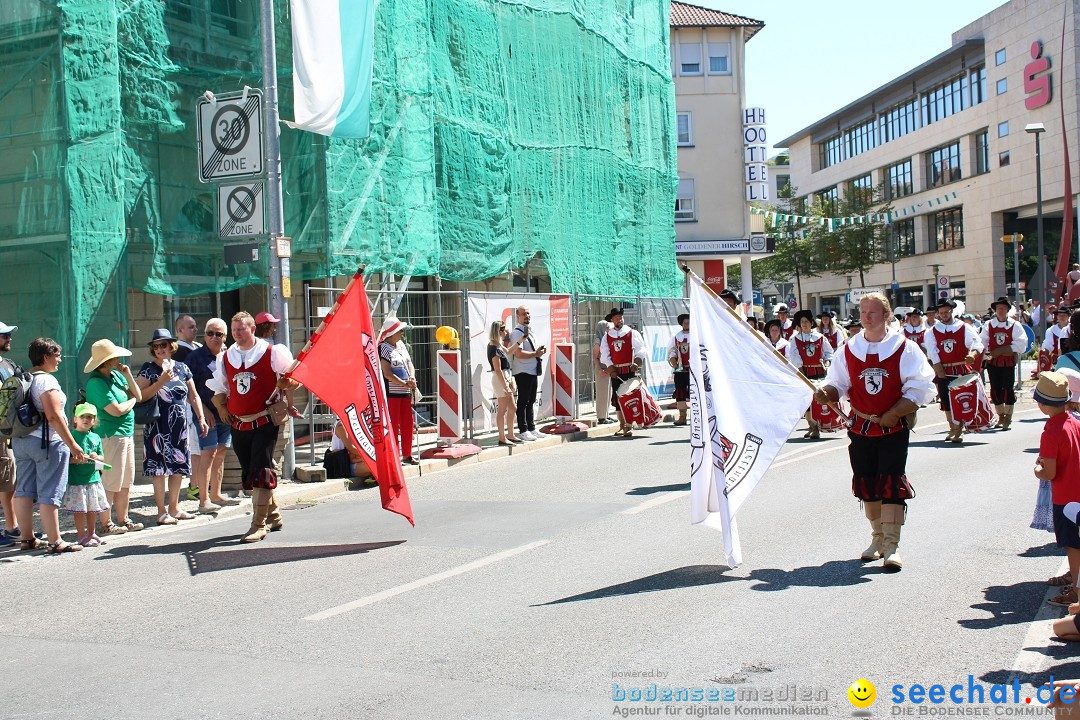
340, 365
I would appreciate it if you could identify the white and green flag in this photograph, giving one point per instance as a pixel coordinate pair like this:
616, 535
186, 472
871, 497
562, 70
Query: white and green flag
333, 46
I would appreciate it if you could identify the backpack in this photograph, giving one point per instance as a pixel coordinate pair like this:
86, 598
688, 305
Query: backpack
18, 415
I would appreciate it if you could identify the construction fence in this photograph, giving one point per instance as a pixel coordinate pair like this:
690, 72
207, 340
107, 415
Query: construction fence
555, 318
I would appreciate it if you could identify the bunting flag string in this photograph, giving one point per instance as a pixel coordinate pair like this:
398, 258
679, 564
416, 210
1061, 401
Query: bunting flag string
834, 223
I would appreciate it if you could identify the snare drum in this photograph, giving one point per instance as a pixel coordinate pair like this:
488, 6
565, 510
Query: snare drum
970, 406
827, 418
637, 403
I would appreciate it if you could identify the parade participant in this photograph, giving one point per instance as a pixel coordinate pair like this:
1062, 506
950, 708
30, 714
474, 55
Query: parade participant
1070, 346
832, 332
621, 354
808, 350
787, 327
914, 328
886, 379
8, 367
1056, 333
1004, 339
246, 378
678, 356
951, 347
774, 336
728, 295
1059, 462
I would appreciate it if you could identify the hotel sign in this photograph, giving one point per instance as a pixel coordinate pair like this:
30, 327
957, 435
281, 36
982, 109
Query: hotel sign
755, 155
1037, 86
755, 245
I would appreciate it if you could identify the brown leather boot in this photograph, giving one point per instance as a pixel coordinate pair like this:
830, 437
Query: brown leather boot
1000, 410
1006, 417
273, 516
260, 507
873, 514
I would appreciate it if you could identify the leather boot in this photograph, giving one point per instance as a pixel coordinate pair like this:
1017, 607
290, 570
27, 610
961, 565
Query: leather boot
273, 516
892, 519
873, 514
260, 508
1006, 416
1000, 410
958, 435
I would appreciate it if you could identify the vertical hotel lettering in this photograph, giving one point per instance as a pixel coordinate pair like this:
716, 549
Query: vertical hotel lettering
755, 152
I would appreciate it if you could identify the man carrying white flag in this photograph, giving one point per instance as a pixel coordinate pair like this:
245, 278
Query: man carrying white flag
744, 403
333, 52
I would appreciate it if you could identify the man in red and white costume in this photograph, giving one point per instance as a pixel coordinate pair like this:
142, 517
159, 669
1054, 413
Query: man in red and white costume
951, 347
1056, 333
678, 356
245, 383
914, 329
809, 351
832, 332
621, 355
886, 378
787, 328
1004, 339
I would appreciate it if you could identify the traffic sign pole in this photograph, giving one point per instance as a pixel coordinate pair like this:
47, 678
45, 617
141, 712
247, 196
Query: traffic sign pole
275, 212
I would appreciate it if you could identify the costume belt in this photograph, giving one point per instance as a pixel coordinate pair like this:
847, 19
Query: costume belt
252, 418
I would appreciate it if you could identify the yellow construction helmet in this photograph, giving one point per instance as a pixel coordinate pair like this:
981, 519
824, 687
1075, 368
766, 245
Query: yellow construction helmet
446, 335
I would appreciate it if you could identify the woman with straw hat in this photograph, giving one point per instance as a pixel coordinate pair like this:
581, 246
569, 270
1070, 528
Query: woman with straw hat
112, 389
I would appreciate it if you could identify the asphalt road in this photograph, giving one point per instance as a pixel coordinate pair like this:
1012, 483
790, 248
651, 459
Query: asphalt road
531, 585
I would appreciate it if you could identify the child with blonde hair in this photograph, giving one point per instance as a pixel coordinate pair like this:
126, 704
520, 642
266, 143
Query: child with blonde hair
85, 496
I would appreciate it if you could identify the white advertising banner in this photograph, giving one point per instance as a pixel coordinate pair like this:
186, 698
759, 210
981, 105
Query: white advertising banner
549, 322
658, 325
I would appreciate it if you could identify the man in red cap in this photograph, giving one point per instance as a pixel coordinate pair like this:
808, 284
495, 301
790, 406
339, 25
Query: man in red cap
265, 326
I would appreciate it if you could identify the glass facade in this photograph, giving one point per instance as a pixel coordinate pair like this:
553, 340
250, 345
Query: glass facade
899, 121
982, 152
945, 100
903, 237
899, 180
830, 199
859, 139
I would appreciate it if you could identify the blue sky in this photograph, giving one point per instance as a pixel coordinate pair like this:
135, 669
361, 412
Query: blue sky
815, 57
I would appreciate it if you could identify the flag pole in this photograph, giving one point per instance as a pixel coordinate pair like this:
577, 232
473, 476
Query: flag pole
686, 269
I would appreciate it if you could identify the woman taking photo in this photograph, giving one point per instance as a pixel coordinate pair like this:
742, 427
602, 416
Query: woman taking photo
165, 441
503, 384
42, 457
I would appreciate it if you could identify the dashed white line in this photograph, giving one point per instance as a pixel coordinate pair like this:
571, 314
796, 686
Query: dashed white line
430, 579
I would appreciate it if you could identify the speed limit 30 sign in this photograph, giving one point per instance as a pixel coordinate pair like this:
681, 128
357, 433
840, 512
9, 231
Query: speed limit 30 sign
230, 136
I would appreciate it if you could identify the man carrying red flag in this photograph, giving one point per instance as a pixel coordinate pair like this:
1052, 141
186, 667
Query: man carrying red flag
350, 383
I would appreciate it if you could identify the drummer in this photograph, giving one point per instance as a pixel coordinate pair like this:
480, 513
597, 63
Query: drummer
622, 353
914, 329
774, 335
809, 351
678, 356
828, 327
951, 347
1004, 339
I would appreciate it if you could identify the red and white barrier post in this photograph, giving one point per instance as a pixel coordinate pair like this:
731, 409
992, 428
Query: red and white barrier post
449, 409
562, 367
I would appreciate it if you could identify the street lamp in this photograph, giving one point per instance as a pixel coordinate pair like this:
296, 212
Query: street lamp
1037, 129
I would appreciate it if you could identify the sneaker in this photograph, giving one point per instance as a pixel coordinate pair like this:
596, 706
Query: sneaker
192, 492
5, 540
529, 435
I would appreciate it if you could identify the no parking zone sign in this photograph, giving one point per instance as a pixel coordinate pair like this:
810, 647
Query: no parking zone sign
240, 211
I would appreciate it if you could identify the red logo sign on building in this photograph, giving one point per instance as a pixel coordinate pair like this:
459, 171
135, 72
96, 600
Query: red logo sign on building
1037, 89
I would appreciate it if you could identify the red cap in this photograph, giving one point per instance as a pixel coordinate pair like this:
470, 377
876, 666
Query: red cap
265, 317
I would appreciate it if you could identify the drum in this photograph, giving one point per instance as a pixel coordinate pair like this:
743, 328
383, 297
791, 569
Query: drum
827, 418
970, 406
637, 404
1046, 362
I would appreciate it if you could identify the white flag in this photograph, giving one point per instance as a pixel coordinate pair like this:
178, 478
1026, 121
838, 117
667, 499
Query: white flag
744, 403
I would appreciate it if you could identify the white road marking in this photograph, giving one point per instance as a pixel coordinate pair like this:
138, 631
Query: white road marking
430, 579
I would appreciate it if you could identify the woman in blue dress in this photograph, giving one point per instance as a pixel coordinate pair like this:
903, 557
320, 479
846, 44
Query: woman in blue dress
165, 441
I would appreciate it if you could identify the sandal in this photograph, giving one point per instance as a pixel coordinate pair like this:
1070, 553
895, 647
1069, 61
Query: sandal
31, 544
1065, 599
131, 525
62, 547
113, 529
1060, 580
183, 515
166, 519
89, 542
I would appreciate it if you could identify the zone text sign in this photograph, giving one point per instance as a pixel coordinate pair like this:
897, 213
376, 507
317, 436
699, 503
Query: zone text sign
230, 136
240, 211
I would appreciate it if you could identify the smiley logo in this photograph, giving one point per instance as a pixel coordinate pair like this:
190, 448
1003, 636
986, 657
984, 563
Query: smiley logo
862, 693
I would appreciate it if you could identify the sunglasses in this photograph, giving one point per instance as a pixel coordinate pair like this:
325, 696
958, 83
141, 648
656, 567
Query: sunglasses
161, 345
6, 336
214, 334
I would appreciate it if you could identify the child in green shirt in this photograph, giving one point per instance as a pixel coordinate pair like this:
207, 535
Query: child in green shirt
85, 497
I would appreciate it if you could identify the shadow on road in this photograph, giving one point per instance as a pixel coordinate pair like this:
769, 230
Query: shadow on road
942, 443
834, 573
1007, 605
684, 577
1050, 549
650, 490
1065, 671
201, 560
672, 442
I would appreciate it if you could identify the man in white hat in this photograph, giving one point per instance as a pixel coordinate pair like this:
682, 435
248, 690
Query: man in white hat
8, 368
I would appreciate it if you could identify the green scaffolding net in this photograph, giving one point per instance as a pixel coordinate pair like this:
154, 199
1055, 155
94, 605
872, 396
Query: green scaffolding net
501, 131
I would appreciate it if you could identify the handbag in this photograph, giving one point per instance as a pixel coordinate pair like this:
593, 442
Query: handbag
279, 411
147, 412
